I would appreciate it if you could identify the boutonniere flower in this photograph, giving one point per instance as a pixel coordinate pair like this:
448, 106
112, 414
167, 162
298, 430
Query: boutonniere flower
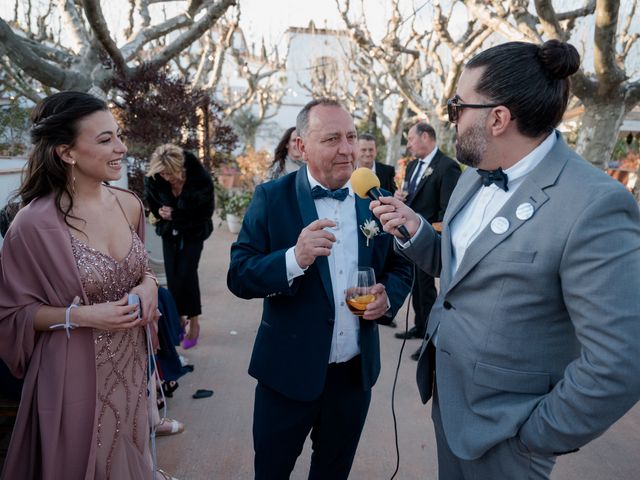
369, 229
427, 172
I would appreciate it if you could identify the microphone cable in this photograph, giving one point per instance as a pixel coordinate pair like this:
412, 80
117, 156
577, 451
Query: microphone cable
395, 377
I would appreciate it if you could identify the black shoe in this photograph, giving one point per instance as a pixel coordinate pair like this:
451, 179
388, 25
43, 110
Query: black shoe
169, 387
412, 333
393, 324
415, 355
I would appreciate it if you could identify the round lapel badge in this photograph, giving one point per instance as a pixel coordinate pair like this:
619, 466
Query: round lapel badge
524, 211
499, 225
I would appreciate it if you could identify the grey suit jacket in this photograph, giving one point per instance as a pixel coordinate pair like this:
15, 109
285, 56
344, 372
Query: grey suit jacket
539, 328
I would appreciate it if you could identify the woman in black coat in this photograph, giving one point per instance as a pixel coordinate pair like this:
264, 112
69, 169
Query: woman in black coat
179, 192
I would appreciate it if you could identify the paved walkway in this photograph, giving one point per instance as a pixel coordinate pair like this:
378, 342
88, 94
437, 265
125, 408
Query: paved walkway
217, 445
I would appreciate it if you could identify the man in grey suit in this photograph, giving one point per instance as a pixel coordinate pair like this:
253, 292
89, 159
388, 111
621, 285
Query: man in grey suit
532, 346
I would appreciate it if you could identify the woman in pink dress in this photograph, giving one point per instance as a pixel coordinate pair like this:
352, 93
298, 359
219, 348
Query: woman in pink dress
71, 257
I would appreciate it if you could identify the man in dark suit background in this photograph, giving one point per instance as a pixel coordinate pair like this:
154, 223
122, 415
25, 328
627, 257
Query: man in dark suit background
429, 181
366, 158
314, 360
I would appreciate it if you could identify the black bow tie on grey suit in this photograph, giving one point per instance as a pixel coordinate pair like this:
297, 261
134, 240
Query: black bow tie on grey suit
338, 194
498, 177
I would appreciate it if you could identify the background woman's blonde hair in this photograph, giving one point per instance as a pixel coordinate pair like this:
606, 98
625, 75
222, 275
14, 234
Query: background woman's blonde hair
168, 158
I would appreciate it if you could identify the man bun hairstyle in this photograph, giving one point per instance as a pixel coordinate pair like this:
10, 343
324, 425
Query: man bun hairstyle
532, 81
559, 59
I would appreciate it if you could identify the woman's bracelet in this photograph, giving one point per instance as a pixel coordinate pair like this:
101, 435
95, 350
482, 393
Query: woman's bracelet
67, 325
152, 277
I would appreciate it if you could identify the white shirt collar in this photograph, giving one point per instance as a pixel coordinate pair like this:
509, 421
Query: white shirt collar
523, 166
427, 160
313, 182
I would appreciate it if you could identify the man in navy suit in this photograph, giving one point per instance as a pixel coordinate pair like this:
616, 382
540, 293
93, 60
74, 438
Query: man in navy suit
314, 360
367, 152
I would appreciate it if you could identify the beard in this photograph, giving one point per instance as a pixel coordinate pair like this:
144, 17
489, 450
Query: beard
471, 146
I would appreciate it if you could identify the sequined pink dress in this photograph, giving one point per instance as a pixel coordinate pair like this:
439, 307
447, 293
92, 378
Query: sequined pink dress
121, 366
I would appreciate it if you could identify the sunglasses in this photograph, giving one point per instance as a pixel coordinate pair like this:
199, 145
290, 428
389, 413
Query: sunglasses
454, 107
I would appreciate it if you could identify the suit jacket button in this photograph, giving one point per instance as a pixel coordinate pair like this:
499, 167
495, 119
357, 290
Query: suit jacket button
447, 305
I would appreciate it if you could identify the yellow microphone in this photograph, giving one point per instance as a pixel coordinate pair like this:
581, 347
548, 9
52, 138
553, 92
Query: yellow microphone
366, 184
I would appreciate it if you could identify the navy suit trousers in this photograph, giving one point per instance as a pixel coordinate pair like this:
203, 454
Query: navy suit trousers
335, 421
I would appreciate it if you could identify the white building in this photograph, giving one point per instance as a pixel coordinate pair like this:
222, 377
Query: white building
316, 59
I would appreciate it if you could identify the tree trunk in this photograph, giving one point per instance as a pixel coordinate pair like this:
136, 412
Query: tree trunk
445, 136
636, 188
394, 147
394, 142
599, 129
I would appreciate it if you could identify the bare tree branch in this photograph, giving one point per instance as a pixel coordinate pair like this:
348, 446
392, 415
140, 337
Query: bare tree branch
132, 10
46, 52
497, 23
588, 9
525, 21
549, 20
632, 94
254, 90
214, 11
627, 40
28, 16
146, 35
17, 83
220, 51
76, 30
194, 7
143, 11
93, 12
604, 57
34, 66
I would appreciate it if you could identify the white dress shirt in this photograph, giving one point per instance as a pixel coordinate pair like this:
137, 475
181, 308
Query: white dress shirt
484, 205
487, 202
343, 263
423, 164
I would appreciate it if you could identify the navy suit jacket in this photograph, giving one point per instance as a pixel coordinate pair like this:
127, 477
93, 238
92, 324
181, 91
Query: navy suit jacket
293, 343
386, 174
433, 191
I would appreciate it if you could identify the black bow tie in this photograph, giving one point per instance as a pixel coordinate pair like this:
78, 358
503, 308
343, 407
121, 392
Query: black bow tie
338, 194
494, 176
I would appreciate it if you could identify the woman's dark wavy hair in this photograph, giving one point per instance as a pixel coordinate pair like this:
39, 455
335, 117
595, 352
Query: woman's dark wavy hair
530, 80
55, 122
281, 151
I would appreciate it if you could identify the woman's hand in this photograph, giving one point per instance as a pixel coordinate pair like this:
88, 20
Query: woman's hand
165, 212
147, 290
118, 315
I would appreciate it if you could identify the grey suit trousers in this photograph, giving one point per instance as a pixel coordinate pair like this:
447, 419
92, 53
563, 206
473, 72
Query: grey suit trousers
508, 460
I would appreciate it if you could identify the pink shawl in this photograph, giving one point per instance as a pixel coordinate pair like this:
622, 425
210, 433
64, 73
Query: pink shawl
54, 434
